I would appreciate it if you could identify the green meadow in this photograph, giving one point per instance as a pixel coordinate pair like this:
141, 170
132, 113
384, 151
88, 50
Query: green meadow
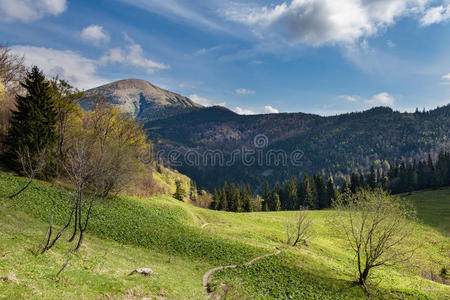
171, 238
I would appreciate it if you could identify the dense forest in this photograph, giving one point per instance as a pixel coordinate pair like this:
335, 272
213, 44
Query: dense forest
317, 193
331, 146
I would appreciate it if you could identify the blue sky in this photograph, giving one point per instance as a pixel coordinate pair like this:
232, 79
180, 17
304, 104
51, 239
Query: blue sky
254, 56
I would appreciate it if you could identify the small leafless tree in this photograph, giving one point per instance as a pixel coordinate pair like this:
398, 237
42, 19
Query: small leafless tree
300, 229
376, 227
32, 164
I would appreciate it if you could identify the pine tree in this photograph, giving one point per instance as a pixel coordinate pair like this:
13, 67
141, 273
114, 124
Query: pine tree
247, 198
277, 202
307, 196
322, 194
290, 191
33, 124
331, 190
267, 197
216, 200
224, 199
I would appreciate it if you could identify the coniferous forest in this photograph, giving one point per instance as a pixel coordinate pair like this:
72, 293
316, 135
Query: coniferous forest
317, 192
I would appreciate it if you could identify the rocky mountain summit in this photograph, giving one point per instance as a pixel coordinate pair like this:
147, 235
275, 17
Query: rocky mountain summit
141, 99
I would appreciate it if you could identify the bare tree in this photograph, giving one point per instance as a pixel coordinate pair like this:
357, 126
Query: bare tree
66, 100
101, 157
300, 229
376, 227
32, 164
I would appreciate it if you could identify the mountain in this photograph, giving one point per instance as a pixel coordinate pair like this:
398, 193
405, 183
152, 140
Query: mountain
213, 144
209, 145
142, 99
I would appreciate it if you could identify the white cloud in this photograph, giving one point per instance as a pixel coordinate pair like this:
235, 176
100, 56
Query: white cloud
132, 56
200, 100
30, 10
95, 33
245, 92
180, 11
446, 79
243, 111
71, 66
435, 14
204, 101
318, 22
270, 110
349, 98
390, 44
382, 99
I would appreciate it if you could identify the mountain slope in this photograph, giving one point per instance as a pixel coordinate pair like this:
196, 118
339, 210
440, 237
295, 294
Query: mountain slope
142, 99
334, 145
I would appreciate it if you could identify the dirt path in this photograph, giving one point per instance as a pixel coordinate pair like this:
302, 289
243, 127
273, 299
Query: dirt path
212, 271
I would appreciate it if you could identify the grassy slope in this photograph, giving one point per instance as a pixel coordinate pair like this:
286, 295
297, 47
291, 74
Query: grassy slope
433, 208
130, 232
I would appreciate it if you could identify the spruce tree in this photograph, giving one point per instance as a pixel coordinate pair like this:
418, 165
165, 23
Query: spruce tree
267, 197
307, 196
247, 198
332, 193
33, 124
277, 202
224, 199
322, 194
216, 200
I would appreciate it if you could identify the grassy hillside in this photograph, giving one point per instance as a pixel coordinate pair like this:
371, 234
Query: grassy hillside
166, 235
433, 208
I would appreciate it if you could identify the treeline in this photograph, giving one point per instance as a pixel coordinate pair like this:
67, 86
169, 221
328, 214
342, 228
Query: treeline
312, 193
234, 198
407, 177
316, 193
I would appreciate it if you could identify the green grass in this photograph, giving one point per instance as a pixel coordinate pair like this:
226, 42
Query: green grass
165, 235
433, 208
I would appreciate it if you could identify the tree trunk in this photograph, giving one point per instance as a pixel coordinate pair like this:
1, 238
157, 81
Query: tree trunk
21, 190
363, 276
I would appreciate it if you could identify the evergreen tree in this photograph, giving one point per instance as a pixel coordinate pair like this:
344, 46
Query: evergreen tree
321, 191
277, 202
267, 195
247, 198
33, 124
331, 191
179, 192
216, 200
290, 190
307, 197
224, 199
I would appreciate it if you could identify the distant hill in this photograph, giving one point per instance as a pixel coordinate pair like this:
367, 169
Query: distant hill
142, 99
334, 145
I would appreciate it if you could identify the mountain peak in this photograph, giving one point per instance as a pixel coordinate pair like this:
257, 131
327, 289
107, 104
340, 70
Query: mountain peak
141, 99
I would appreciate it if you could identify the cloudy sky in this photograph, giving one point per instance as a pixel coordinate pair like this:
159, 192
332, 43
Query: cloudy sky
254, 56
